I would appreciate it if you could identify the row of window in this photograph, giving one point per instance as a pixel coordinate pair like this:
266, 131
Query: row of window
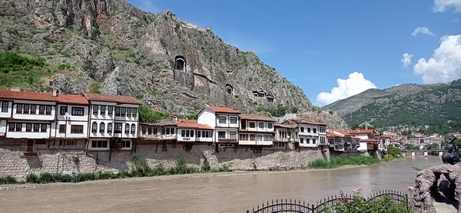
223, 119
119, 111
255, 137
104, 144
308, 129
232, 135
154, 130
252, 125
74, 129
117, 128
29, 127
307, 141
75, 111
32, 109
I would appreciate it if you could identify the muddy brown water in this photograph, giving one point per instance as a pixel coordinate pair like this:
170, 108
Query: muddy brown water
219, 192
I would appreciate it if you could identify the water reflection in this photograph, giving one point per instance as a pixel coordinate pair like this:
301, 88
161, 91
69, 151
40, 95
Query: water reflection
218, 193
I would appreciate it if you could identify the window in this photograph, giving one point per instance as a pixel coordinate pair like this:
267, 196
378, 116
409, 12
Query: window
233, 120
123, 111
41, 109
322, 129
149, 130
62, 110
33, 109
199, 134
133, 129
267, 137
252, 125
135, 112
110, 110
109, 128
102, 127
99, 144
167, 131
102, 110
233, 135
270, 125
62, 128
43, 127
259, 137
117, 111
128, 112
28, 127
187, 133
95, 109
308, 129
48, 110
77, 111
155, 130
243, 137
126, 144
127, 128
36, 127
261, 125
243, 124
76, 129
314, 130
143, 130
18, 127
118, 128
322, 140
314, 141
19, 108
11, 127
302, 129
221, 134
222, 119
26, 109
67, 143
252, 137
5, 106
94, 127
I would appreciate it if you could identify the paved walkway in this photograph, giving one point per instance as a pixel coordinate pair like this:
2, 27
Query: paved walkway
441, 207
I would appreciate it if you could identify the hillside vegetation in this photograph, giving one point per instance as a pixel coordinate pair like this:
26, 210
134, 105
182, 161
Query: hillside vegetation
435, 105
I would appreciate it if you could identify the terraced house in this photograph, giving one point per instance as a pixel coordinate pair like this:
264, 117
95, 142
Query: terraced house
256, 130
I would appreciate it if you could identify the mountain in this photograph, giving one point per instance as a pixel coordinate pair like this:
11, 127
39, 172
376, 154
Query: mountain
110, 46
412, 104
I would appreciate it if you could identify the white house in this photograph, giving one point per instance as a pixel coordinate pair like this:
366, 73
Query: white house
224, 121
71, 126
311, 133
113, 121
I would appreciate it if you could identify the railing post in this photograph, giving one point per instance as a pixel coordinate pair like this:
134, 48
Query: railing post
313, 208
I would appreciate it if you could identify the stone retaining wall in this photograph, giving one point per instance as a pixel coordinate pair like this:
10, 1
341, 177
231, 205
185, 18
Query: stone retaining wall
53, 160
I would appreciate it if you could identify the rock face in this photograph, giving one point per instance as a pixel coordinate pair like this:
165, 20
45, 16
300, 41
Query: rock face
440, 183
109, 46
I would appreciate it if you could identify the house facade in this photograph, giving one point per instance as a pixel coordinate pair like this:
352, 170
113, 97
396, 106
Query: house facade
311, 133
286, 136
224, 121
257, 130
113, 121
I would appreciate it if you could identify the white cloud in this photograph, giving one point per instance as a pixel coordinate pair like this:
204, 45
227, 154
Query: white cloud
354, 85
422, 30
406, 60
442, 5
445, 64
454, 20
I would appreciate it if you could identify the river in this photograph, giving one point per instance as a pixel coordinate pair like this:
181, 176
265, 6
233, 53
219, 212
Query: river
218, 192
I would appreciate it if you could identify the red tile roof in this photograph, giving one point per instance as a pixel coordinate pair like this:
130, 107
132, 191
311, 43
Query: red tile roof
222, 109
304, 121
334, 134
112, 98
361, 131
256, 117
72, 99
36, 96
192, 124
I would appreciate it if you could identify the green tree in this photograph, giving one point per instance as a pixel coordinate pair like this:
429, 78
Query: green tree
148, 115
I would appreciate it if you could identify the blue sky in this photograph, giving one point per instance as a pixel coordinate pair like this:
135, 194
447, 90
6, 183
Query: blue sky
336, 49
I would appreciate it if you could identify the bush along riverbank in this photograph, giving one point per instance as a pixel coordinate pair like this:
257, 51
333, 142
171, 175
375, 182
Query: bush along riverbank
335, 162
139, 168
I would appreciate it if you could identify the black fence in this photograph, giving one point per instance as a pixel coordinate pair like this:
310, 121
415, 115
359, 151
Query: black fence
327, 205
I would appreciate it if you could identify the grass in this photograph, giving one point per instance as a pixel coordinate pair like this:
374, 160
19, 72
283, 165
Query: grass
336, 162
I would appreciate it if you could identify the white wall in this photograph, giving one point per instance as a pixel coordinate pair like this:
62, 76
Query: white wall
6, 114
207, 117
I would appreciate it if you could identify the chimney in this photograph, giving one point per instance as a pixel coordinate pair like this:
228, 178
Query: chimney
55, 92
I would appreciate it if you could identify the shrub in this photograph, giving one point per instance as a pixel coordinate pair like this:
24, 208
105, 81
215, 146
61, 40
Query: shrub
206, 165
45, 178
32, 178
8, 180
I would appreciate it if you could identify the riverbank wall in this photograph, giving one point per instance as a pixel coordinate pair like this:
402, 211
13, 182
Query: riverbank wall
53, 159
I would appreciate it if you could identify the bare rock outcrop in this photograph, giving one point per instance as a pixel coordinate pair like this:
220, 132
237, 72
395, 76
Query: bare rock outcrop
440, 183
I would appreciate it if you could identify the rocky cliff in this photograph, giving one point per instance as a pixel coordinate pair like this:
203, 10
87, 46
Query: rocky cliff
109, 46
